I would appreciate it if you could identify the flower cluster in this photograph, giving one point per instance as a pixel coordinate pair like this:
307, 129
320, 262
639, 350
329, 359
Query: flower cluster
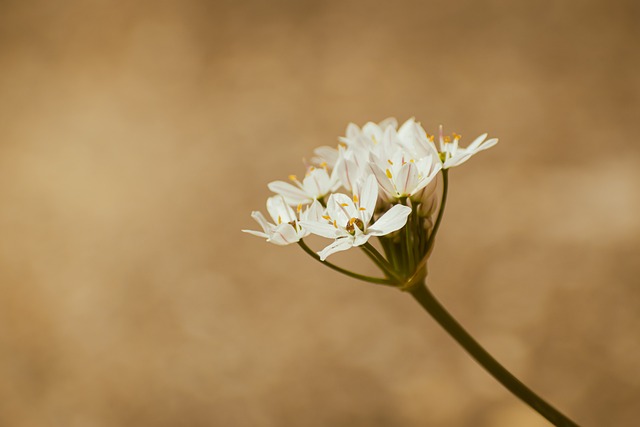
380, 181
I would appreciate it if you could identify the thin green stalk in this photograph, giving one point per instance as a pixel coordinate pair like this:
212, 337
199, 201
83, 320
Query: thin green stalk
443, 202
426, 299
377, 257
369, 279
407, 246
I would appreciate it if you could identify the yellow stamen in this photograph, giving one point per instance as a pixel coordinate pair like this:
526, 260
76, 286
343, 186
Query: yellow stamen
293, 177
362, 209
327, 217
389, 174
323, 165
412, 161
390, 162
344, 204
335, 224
279, 219
355, 198
299, 208
351, 221
456, 136
447, 139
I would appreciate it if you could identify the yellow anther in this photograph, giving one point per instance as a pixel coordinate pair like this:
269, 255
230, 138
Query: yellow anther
279, 219
327, 217
447, 139
323, 165
362, 209
388, 172
390, 162
430, 138
293, 177
351, 221
456, 136
373, 138
344, 204
335, 224
355, 198
299, 208
412, 161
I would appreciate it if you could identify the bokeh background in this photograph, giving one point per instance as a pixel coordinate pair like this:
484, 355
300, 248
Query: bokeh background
136, 138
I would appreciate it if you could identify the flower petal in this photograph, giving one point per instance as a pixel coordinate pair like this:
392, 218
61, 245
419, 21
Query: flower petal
256, 233
260, 219
341, 244
367, 199
279, 210
292, 194
321, 229
383, 180
341, 208
284, 234
392, 220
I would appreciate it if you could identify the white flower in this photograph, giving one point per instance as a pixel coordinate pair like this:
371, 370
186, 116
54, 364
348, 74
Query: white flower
454, 155
286, 229
347, 220
316, 184
402, 166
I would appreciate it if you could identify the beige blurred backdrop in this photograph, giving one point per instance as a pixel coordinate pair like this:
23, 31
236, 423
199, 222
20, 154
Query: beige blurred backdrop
136, 138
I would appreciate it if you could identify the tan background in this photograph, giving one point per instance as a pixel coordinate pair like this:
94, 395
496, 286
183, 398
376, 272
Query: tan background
136, 139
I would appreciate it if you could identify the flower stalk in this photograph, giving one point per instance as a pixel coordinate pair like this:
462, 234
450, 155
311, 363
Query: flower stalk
425, 298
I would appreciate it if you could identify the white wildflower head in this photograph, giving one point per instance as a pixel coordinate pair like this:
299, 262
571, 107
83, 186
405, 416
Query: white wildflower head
380, 181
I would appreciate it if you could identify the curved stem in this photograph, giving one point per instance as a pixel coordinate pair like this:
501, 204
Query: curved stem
426, 299
369, 279
443, 202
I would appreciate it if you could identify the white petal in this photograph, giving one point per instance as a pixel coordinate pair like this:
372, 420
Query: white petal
382, 179
342, 244
368, 198
256, 233
279, 210
407, 179
314, 212
488, 144
284, 234
352, 131
341, 208
347, 172
361, 239
389, 121
317, 183
392, 220
327, 154
476, 142
260, 219
321, 229
292, 194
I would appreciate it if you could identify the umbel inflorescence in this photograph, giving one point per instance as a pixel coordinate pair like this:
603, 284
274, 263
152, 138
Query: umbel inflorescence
380, 181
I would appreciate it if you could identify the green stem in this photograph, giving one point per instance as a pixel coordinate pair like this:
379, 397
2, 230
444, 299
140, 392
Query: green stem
426, 299
380, 261
369, 279
443, 202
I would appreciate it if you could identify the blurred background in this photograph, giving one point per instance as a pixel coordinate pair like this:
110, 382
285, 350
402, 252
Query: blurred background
137, 137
